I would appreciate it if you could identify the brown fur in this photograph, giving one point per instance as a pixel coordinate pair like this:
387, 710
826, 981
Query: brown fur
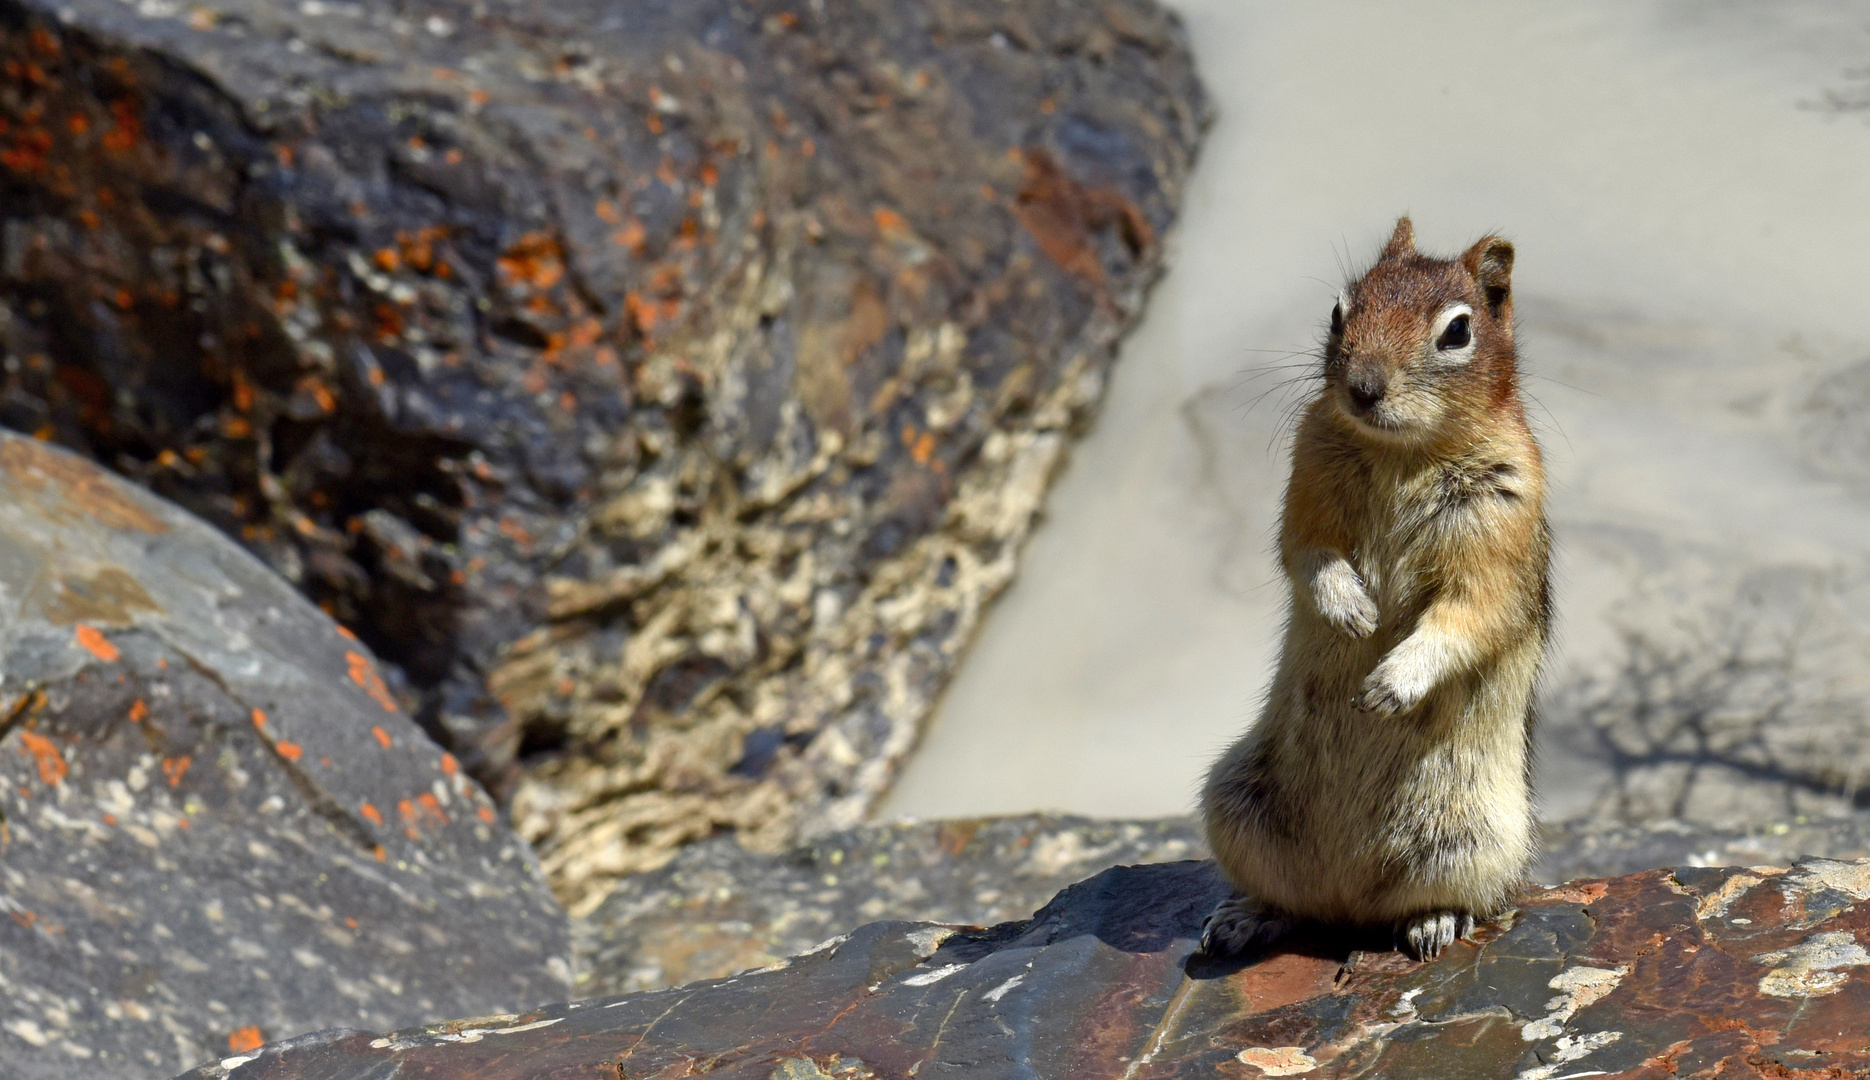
1387, 780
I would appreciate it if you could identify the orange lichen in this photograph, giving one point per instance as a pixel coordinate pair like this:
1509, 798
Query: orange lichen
259, 718
126, 127
291, 751
536, 259
486, 814
364, 674
585, 333
449, 765
27, 154
383, 737
139, 711
95, 643
45, 754
320, 394
889, 221
433, 806
372, 814
630, 236
175, 768
408, 811
245, 1039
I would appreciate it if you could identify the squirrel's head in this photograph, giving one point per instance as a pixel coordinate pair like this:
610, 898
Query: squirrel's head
1419, 347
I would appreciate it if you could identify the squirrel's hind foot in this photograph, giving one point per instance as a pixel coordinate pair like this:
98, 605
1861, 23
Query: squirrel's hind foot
1424, 936
1240, 923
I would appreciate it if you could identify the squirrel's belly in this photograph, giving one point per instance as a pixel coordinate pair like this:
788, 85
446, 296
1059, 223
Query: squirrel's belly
1349, 816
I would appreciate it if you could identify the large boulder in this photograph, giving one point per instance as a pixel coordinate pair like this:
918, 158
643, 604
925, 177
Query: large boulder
663, 387
1694, 972
216, 827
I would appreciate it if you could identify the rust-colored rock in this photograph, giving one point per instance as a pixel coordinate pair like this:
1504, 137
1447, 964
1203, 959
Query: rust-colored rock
1686, 973
663, 387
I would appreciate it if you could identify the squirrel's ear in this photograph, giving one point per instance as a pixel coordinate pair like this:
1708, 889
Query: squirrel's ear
1402, 241
1491, 263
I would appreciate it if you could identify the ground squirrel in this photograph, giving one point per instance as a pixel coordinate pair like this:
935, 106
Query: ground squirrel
1387, 782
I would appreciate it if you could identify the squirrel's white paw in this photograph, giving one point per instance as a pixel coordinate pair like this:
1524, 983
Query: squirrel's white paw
1397, 685
1343, 601
1424, 936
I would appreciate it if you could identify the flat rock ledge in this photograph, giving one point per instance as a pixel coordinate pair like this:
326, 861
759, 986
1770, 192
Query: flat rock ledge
718, 908
1728, 972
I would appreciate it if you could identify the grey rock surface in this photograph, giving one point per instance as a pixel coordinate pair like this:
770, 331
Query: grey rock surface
663, 387
216, 827
718, 908
1585, 849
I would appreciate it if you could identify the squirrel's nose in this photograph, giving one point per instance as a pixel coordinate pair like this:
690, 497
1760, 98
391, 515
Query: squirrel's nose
1366, 386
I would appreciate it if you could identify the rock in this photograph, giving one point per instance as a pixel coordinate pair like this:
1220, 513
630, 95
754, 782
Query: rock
662, 387
718, 909
216, 828
1576, 849
1696, 972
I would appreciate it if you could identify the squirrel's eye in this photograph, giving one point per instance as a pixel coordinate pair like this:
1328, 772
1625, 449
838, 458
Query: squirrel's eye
1456, 336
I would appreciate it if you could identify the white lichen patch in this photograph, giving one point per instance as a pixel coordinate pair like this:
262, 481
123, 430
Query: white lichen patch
929, 978
1578, 987
1715, 904
462, 1035
1850, 878
928, 939
1005, 988
1278, 1060
1569, 1049
1815, 967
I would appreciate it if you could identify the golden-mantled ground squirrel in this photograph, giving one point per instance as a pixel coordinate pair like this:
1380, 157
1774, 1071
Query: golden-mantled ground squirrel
1387, 782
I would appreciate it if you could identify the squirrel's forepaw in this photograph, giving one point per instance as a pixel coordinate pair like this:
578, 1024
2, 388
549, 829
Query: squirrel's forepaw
1240, 923
1394, 687
1344, 602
